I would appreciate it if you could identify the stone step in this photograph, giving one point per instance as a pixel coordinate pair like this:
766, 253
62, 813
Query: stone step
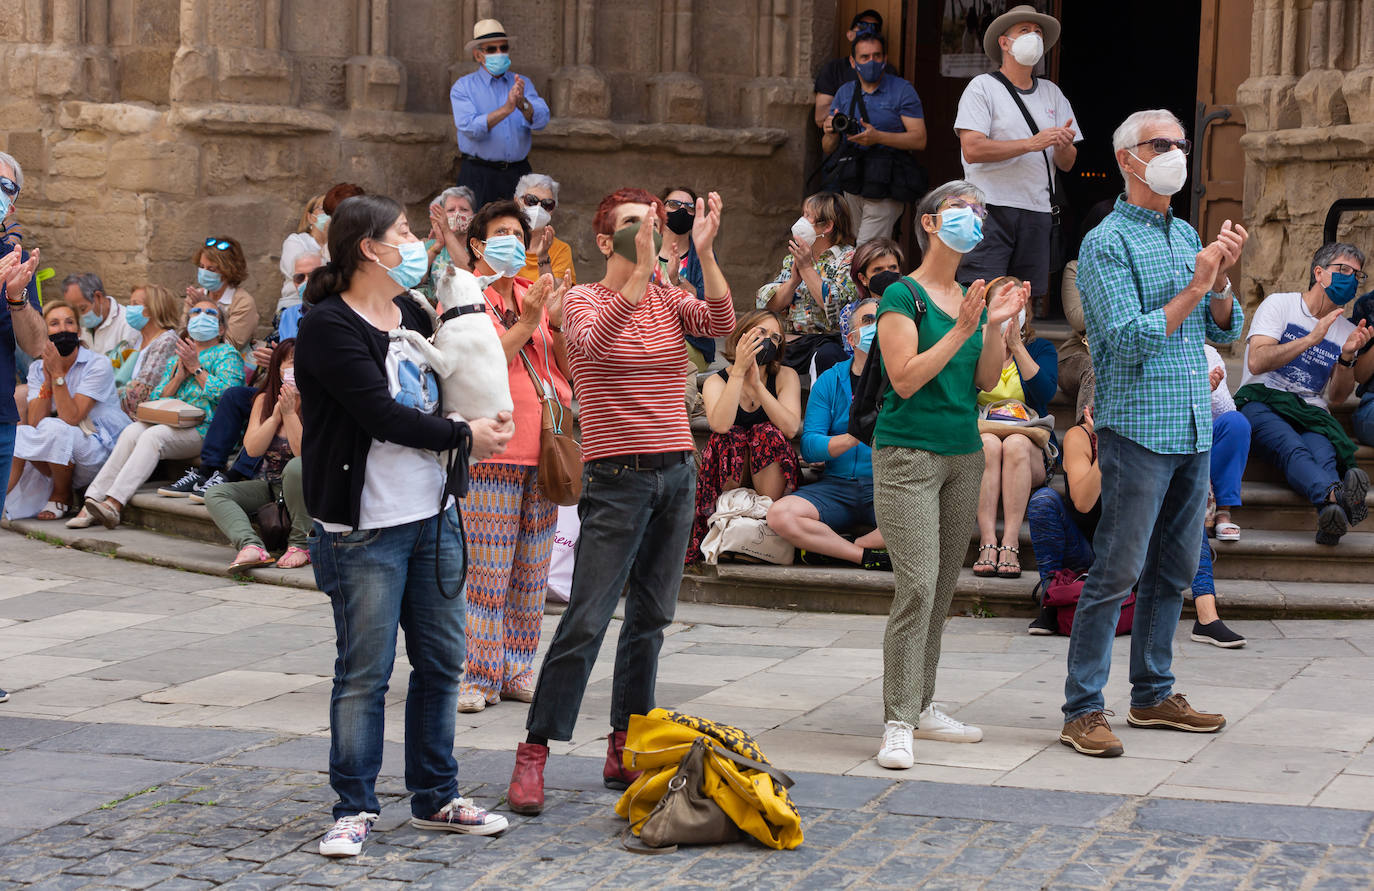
171, 516
1274, 506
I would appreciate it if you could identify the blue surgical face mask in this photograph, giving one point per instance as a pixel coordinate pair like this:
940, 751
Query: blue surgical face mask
1342, 288
135, 317
866, 335
960, 229
208, 279
5, 204
505, 254
411, 270
321, 220
871, 71
300, 289
91, 319
202, 327
497, 63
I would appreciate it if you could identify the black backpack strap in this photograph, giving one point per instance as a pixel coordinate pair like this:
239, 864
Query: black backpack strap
1030, 122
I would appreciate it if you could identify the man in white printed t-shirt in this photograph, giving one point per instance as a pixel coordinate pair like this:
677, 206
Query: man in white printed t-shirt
1302, 351
1003, 157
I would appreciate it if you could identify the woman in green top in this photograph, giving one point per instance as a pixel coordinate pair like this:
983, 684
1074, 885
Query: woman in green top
927, 455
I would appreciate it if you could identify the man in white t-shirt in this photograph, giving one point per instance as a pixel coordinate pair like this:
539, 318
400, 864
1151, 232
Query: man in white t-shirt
1005, 159
1300, 353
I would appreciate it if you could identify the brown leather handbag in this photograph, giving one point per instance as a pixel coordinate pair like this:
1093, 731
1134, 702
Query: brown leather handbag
560, 455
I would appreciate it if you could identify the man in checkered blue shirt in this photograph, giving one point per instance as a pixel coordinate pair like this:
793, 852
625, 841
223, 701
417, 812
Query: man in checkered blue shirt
1151, 295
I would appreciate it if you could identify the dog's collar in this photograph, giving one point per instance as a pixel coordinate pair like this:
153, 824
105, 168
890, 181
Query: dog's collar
462, 310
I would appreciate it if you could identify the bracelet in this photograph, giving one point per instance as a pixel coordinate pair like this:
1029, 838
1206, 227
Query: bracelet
17, 304
1341, 361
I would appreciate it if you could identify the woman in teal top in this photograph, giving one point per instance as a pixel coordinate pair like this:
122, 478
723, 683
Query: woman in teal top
928, 456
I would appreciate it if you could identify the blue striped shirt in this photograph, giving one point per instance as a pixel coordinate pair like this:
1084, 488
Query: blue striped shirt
476, 95
1152, 387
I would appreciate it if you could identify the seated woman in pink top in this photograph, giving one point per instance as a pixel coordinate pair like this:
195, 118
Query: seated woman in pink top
508, 521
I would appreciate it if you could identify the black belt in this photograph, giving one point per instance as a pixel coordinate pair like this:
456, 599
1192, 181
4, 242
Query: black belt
495, 165
650, 460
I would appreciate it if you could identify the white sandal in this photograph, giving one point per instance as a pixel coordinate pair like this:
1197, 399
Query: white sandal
57, 509
1225, 529
82, 520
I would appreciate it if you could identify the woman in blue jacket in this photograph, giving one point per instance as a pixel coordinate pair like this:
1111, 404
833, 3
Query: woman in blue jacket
1015, 465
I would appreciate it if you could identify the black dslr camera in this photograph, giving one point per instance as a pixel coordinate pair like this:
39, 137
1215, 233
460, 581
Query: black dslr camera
846, 125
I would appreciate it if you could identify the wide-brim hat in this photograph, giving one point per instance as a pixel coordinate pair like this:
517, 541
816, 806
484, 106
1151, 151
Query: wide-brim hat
1014, 16
491, 29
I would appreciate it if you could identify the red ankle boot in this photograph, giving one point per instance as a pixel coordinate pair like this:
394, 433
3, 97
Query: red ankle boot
526, 795
614, 774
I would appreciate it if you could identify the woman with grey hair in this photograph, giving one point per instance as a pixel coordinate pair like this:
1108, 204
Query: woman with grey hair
449, 215
537, 195
939, 344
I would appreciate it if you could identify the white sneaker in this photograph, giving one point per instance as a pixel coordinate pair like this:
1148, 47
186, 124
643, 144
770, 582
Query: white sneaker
346, 837
896, 751
935, 724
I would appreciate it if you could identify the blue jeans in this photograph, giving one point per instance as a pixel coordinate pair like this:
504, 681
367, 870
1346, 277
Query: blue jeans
226, 431
635, 528
377, 580
1152, 511
1363, 421
7, 434
1230, 452
1307, 459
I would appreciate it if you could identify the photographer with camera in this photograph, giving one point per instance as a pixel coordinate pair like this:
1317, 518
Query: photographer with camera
875, 123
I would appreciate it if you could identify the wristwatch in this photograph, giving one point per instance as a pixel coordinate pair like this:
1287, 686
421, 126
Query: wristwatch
61, 379
1225, 293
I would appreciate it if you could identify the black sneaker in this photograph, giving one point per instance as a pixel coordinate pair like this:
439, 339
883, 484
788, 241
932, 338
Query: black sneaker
1044, 624
876, 559
197, 495
4, 696
1331, 524
1217, 634
811, 558
184, 486
1354, 488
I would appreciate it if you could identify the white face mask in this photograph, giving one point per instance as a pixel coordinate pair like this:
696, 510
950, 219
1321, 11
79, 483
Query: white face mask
1166, 173
537, 217
804, 231
1028, 48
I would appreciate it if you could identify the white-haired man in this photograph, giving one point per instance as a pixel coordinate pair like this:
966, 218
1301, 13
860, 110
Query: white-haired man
1151, 295
537, 195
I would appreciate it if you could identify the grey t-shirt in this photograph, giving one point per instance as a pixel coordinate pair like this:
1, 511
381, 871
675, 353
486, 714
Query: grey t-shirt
988, 108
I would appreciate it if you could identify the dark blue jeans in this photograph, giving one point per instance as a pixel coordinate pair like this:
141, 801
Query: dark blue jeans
1152, 511
378, 580
1363, 422
635, 527
1307, 459
7, 434
226, 431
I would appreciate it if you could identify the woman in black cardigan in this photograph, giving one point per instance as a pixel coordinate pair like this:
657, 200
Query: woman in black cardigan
383, 548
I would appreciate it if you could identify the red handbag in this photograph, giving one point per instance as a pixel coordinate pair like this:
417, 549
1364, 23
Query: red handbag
1062, 592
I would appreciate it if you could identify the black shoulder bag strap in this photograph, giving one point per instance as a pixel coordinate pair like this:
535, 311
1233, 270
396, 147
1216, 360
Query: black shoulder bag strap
1030, 122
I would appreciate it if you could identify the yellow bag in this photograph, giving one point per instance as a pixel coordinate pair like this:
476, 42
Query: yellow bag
757, 802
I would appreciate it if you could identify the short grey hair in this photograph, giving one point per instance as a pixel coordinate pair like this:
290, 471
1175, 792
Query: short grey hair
1127, 136
858, 305
455, 192
532, 180
930, 204
88, 282
6, 158
1329, 253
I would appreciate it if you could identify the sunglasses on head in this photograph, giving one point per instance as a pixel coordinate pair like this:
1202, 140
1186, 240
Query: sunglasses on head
979, 210
1162, 145
218, 244
9, 186
674, 204
497, 48
547, 203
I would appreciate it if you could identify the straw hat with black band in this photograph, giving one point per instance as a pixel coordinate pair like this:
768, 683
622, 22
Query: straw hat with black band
488, 30
1015, 16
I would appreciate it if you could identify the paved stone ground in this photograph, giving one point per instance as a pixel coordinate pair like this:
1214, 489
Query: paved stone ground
167, 729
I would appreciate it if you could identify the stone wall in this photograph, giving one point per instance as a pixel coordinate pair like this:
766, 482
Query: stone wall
1309, 112
145, 126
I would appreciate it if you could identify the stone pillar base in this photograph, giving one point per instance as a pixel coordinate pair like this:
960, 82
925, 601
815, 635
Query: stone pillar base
1321, 98
580, 91
1269, 103
377, 83
1358, 87
773, 101
677, 98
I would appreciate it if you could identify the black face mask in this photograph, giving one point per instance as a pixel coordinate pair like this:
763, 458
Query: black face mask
65, 341
767, 353
680, 220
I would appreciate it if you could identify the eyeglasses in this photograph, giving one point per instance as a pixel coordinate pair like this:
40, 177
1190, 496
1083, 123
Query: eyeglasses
218, 244
9, 186
205, 312
1162, 145
547, 203
674, 204
868, 318
1347, 269
497, 48
979, 210
299, 277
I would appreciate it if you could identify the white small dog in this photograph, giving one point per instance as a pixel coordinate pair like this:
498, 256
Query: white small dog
465, 352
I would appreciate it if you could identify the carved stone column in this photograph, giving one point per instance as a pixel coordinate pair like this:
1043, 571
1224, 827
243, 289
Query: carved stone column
1321, 91
1359, 82
373, 78
579, 90
676, 96
1267, 96
78, 62
772, 97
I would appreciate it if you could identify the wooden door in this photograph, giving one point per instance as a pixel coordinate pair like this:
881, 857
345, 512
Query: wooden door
1219, 165
893, 28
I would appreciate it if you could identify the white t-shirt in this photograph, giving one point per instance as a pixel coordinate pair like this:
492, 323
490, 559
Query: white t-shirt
1285, 318
988, 108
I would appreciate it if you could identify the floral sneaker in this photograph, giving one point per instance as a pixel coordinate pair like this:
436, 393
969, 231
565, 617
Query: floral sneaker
345, 839
462, 815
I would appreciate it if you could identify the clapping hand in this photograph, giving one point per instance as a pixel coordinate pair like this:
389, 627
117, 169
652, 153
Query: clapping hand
746, 349
1007, 303
438, 222
1358, 338
53, 366
553, 307
517, 93
1324, 325
540, 246
646, 253
188, 355
1230, 241
802, 255
195, 295
706, 223
532, 307
1215, 375
16, 275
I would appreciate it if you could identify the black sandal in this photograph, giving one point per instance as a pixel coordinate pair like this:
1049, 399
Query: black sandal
1013, 573
990, 564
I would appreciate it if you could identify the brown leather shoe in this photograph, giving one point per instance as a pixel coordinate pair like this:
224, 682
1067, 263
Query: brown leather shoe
1092, 735
526, 794
1175, 713
614, 774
